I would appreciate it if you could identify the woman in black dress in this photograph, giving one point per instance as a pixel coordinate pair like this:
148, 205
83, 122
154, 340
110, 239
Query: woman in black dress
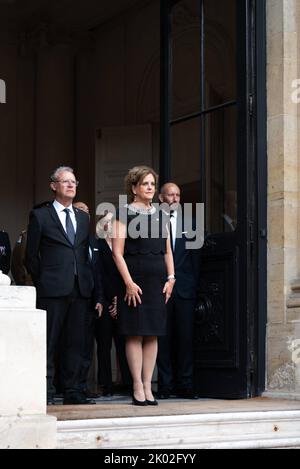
145, 263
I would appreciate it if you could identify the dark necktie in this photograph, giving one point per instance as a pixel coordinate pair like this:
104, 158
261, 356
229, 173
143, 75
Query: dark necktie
171, 231
69, 226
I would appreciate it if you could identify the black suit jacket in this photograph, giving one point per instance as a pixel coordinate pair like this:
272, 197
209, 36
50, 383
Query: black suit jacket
187, 266
51, 257
111, 278
98, 294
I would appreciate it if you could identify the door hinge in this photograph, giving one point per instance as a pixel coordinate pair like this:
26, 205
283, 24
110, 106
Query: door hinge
251, 240
251, 231
263, 233
251, 104
252, 360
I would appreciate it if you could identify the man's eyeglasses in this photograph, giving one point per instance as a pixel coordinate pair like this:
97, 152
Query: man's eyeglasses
66, 182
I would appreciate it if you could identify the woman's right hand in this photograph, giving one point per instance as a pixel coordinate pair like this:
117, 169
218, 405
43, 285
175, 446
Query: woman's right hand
133, 292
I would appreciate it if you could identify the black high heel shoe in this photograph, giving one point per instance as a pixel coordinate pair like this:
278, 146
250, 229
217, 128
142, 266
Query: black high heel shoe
152, 402
136, 402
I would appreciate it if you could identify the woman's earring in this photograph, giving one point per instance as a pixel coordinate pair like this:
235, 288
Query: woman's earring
134, 197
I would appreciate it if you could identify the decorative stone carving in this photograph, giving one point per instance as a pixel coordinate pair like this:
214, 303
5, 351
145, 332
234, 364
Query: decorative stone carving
283, 378
4, 279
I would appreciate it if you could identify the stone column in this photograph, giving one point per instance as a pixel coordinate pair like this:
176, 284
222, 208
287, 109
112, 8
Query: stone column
23, 420
283, 329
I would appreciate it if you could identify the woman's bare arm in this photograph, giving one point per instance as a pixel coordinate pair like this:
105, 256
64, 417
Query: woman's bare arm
133, 291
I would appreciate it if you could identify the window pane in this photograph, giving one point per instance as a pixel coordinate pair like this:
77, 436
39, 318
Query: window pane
221, 163
220, 51
185, 58
185, 168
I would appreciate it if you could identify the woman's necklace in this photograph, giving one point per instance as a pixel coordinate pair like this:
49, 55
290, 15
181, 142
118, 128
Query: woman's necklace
143, 211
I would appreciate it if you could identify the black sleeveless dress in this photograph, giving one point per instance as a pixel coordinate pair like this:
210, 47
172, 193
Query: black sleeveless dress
144, 257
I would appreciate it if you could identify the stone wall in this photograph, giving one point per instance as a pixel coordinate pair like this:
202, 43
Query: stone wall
283, 23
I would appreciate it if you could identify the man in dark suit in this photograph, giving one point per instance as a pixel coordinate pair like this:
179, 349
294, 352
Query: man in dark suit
57, 257
5, 252
175, 350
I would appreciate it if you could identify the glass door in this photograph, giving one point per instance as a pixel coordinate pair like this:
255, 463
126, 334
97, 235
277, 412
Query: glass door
208, 149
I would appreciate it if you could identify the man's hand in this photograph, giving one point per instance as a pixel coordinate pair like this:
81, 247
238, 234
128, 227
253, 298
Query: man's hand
113, 308
168, 288
99, 308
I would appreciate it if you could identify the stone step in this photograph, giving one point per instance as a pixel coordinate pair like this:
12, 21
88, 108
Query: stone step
261, 429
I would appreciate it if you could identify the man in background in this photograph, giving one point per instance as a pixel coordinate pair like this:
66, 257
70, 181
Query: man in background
175, 350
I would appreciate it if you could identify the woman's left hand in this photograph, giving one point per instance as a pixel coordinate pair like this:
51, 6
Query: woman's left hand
168, 288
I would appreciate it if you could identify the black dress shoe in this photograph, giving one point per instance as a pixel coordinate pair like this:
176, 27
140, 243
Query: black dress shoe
136, 402
90, 402
77, 400
90, 395
187, 394
107, 391
163, 394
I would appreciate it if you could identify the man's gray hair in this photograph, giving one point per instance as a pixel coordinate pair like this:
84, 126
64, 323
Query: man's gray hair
60, 169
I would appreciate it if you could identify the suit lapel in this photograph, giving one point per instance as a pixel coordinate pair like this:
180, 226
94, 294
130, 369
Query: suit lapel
80, 222
55, 217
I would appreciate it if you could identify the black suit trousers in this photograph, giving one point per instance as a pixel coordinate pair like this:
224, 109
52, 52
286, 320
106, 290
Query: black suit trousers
106, 329
89, 346
175, 350
66, 325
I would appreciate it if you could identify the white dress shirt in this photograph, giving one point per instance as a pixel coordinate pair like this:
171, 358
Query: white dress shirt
62, 215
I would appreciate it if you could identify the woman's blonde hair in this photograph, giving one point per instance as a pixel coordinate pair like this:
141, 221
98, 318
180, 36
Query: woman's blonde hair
135, 176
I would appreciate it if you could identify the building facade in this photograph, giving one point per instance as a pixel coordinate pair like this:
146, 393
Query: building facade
206, 92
